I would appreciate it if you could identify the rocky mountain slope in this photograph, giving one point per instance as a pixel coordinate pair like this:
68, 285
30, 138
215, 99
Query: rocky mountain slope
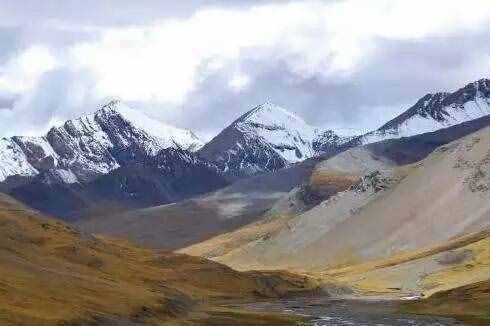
411, 223
171, 175
267, 138
117, 145
51, 274
194, 220
84, 148
373, 218
268, 196
107, 160
436, 111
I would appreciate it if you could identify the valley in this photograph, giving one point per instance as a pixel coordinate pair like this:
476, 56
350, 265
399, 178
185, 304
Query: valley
52, 274
116, 219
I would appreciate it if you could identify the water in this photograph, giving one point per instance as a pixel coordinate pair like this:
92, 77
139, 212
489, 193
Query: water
333, 312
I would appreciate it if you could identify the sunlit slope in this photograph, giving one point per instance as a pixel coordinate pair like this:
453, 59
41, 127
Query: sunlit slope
455, 263
50, 273
391, 210
452, 278
279, 217
470, 303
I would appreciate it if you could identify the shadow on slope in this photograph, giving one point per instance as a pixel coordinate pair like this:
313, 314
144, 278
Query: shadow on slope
170, 176
187, 222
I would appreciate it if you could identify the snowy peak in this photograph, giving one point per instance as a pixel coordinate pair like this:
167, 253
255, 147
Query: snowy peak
95, 144
290, 136
436, 111
330, 141
164, 135
266, 138
269, 114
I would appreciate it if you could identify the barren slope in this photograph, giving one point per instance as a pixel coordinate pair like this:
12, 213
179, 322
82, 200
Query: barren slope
185, 223
391, 210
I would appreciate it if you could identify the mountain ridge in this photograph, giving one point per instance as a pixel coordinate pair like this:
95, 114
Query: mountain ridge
92, 145
118, 145
435, 111
266, 138
171, 175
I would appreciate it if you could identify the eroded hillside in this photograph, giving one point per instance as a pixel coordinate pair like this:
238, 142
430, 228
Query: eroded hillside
391, 209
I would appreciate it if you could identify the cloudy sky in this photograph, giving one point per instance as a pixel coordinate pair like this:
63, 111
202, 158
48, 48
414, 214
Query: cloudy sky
200, 64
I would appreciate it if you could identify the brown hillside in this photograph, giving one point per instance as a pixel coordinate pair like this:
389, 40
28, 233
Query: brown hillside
50, 273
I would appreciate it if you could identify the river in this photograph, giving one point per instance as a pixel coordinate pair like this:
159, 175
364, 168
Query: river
333, 312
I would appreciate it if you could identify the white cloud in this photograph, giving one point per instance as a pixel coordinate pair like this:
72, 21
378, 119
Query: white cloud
166, 61
239, 82
161, 62
21, 73
59, 94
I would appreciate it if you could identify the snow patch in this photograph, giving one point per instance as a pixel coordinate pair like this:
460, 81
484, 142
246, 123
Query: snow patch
167, 135
453, 114
13, 161
67, 176
288, 135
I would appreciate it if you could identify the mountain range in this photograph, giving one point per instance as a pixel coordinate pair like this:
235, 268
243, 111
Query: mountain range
93, 145
118, 157
401, 212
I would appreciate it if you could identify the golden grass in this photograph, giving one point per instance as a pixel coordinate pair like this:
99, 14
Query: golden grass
469, 303
461, 274
340, 180
225, 243
419, 270
50, 273
222, 316
408, 256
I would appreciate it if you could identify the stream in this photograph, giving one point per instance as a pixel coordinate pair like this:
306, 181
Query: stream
328, 311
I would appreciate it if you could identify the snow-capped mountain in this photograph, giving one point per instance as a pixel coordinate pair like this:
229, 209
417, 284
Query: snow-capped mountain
266, 138
171, 175
288, 135
13, 161
436, 111
86, 147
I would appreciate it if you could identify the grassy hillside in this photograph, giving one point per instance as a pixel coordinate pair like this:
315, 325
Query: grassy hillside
52, 274
469, 303
460, 261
